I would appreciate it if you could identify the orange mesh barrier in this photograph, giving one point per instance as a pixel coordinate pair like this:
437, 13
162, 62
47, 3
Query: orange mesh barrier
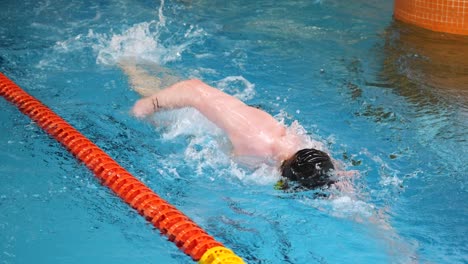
449, 16
190, 238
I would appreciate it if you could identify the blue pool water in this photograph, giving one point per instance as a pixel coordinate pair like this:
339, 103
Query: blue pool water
386, 99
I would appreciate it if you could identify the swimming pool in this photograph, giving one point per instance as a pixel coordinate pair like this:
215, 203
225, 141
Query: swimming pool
386, 99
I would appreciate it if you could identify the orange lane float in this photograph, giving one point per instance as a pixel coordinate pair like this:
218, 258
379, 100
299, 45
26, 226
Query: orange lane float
179, 228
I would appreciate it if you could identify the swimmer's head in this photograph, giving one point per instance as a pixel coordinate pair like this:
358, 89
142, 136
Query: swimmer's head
310, 168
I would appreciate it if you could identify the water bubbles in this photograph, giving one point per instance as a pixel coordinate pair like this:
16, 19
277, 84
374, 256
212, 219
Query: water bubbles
138, 41
391, 180
185, 121
237, 86
148, 41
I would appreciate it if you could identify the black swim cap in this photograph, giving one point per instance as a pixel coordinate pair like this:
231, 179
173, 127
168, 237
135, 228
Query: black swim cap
308, 167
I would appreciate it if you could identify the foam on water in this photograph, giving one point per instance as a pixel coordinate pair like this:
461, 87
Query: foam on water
142, 41
230, 85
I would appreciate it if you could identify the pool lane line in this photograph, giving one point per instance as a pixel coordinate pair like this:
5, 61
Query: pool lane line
179, 228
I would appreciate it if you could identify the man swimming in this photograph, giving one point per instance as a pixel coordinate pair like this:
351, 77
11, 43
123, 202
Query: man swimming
252, 132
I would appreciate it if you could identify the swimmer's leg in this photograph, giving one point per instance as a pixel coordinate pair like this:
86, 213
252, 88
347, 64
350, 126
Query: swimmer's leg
146, 78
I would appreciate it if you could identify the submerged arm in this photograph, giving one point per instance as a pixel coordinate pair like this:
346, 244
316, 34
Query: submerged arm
139, 79
146, 77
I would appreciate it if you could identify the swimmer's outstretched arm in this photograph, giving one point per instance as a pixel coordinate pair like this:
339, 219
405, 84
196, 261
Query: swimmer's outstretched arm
251, 130
179, 95
237, 119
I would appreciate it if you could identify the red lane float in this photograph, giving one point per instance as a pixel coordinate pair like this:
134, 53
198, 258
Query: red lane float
180, 229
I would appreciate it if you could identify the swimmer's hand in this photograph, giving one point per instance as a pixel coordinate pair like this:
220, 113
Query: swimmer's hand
145, 107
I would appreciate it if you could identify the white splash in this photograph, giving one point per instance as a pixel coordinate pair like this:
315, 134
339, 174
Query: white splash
185, 121
142, 41
237, 86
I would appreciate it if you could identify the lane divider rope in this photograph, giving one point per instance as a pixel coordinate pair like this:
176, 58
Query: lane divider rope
179, 228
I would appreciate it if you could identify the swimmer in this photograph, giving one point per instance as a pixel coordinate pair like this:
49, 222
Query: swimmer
252, 132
